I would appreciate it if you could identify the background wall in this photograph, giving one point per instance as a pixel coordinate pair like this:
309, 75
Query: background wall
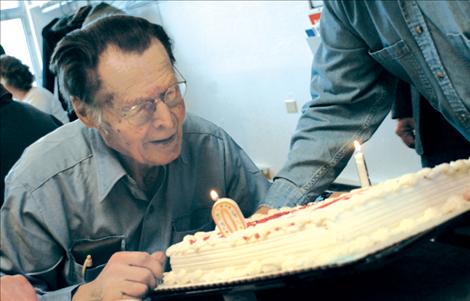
242, 59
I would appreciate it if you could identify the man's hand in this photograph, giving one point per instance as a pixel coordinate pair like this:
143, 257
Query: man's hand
336, 194
127, 275
16, 288
405, 129
262, 210
466, 195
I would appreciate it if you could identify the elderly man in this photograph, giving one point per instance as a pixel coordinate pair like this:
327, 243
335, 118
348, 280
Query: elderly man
128, 179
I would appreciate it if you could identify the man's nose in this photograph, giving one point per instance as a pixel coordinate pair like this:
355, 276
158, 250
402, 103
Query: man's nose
162, 115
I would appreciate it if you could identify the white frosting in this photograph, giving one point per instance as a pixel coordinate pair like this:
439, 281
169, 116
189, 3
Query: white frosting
358, 224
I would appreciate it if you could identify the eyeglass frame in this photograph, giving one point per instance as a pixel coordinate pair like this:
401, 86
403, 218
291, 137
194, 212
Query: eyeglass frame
153, 103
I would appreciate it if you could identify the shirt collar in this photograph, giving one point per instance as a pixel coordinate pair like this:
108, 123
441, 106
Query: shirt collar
184, 151
185, 146
108, 168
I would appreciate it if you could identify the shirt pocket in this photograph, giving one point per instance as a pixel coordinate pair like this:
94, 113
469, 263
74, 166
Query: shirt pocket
399, 60
100, 250
391, 53
198, 220
461, 44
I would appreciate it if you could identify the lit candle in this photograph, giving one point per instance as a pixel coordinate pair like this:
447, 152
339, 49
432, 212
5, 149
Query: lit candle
361, 165
226, 215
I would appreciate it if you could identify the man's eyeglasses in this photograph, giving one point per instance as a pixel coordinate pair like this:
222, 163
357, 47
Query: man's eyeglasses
142, 113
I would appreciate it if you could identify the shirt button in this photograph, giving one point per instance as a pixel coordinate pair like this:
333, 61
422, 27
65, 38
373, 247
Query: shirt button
440, 74
419, 29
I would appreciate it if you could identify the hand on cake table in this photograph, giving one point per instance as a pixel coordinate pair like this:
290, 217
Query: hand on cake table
262, 210
127, 275
336, 194
466, 195
17, 288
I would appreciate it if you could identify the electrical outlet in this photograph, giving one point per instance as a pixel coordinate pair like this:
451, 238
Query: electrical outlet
291, 105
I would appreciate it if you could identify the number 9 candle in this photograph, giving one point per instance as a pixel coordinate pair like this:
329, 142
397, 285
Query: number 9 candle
226, 215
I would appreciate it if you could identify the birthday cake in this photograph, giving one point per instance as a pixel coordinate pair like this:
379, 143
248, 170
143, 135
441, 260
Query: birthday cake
323, 234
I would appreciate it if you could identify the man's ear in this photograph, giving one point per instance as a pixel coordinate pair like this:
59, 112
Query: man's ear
83, 112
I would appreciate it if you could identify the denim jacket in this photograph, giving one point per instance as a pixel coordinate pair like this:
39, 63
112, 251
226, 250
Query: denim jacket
366, 47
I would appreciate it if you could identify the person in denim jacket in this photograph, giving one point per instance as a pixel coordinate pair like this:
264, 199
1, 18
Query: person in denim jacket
366, 47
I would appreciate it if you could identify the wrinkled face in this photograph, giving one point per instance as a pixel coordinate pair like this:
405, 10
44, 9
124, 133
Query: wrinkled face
132, 79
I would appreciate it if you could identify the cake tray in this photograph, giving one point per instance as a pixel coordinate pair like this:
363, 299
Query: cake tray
289, 278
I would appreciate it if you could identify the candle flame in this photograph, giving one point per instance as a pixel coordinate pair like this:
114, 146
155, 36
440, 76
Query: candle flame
214, 195
357, 146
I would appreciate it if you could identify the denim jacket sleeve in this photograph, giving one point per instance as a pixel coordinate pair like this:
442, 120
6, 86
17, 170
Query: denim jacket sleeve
351, 95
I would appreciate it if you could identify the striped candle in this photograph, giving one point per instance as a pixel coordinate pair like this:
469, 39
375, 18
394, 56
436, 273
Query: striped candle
227, 215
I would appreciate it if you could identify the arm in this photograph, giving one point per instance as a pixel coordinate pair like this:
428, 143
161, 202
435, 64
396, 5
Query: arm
351, 95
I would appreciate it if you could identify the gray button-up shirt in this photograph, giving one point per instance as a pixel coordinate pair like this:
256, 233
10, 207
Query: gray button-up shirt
69, 196
366, 47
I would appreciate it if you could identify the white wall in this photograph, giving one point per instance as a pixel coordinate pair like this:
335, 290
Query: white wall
242, 59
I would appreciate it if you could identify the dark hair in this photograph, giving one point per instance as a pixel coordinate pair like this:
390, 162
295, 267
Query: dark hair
76, 56
15, 73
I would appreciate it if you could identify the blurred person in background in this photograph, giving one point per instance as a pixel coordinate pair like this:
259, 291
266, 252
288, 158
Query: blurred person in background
18, 80
12, 287
20, 125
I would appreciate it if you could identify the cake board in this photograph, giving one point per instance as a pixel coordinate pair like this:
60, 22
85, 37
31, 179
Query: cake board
325, 274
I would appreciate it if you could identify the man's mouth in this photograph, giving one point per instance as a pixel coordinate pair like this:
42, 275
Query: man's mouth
165, 141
